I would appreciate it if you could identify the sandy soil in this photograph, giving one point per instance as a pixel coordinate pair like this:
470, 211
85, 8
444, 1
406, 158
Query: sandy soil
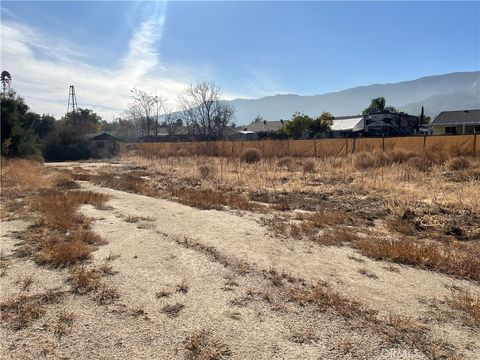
150, 260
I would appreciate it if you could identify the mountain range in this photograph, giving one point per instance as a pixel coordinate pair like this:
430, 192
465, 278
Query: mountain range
454, 91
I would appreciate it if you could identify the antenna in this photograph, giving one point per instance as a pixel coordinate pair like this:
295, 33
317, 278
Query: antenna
72, 100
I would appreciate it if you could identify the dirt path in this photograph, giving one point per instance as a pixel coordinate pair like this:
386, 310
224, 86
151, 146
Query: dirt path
142, 234
410, 292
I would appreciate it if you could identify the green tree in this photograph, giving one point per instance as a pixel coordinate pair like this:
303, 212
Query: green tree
378, 105
83, 121
18, 138
321, 124
298, 127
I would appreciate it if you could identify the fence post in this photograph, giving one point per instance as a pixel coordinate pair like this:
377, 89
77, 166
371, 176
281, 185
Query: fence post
353, 145
475, 144
383, 143
346, 146
288, 147
424, 142
314, 147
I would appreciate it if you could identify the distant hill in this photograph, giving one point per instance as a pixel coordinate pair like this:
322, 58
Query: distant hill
453, 91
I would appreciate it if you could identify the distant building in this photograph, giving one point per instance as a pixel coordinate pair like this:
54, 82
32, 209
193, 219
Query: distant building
390, 124
347, 126
102, 145
456, 122
244, 135
375, 124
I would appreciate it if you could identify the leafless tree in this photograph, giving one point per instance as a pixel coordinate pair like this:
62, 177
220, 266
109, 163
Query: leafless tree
141, 111
203, 110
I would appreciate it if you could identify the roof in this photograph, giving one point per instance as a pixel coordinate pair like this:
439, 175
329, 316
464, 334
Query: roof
459, 117
347, 124
103, 135
260, 126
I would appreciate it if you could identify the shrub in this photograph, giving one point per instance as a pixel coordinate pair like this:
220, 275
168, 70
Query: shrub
206, 171
284, 162
363, 160
251, 155
458, 163
400, 155
309, 166
182, 153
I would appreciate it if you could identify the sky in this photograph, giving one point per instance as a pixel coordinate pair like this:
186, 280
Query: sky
249, 49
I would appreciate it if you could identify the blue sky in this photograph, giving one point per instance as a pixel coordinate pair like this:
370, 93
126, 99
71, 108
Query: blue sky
250, 49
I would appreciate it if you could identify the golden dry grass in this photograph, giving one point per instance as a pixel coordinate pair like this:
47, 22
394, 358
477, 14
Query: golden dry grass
202, 345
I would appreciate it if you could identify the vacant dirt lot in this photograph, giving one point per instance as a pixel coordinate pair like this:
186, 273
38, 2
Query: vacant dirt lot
211, 258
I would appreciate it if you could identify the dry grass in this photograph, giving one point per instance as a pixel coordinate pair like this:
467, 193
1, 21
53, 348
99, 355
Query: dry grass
452, 260
107, 295
458, 163
173, 310
367, 273
22, 310
84, 280
202, 345
239, 266
208, 199
60, 253
63, 324
182, 287
468, 303
206, 172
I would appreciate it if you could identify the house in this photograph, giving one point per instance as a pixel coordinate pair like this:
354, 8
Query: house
456, 122
102, 145
244, 135
388, 123
383, 123
347, 126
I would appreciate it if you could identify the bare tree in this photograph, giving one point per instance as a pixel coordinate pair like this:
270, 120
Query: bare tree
141, 111
203, 110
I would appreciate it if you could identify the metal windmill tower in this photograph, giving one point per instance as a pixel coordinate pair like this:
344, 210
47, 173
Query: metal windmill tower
72, 100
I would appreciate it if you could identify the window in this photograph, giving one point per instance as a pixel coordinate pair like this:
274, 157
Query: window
449, 130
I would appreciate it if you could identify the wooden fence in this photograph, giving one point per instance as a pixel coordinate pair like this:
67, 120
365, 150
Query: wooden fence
455, 145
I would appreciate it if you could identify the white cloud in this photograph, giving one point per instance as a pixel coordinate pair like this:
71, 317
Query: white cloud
43, 68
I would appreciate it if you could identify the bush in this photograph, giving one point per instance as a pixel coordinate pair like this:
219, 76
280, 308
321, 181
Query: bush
458, 163
400, 155
251, 155
363, 160
284, 162
182, 153
309, 166
206, 171
64, 145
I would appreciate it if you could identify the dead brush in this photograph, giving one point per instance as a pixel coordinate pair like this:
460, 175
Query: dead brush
323, 297
173, 310
125, 182
468, 303
207, 199
107, 295
309, 166
20, 311
84, 280
25, 283
182, 287
206, 172
20, 177
63, 324
463, 263
202, 345
336, 237
458, 163
60, 253
251, 155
